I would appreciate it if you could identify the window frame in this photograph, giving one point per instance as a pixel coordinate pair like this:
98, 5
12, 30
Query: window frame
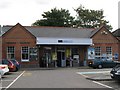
109, 49
10, 52
27, 59
98, 51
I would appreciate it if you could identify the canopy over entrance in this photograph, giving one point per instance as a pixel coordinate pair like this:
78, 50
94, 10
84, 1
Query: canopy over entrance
63, 41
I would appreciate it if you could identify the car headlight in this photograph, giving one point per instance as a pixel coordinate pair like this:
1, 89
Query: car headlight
118, 72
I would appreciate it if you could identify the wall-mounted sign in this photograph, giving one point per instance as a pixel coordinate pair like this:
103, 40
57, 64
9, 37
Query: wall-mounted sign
65, 41
91, 53
76, 56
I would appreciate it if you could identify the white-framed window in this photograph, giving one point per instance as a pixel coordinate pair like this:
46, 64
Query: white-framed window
98, 52
10, 52
25, 53
109, 50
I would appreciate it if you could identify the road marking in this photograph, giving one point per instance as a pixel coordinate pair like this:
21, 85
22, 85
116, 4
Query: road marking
102, 84
82, 75
14, 80
93, 72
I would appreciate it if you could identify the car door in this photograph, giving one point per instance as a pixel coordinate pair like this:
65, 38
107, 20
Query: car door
111, 63
5, 62
104, 63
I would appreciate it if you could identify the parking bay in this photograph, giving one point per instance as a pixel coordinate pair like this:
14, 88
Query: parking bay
7, 79
102, 77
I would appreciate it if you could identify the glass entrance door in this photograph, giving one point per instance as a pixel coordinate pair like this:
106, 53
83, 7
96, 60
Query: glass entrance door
61, 62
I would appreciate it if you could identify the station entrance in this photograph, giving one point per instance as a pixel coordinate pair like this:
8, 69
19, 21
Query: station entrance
62, 56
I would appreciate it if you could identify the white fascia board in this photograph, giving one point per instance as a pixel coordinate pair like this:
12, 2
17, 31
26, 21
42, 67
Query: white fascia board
63, 41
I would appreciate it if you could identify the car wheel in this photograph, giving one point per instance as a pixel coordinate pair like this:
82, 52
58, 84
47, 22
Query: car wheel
16, 69
100, 66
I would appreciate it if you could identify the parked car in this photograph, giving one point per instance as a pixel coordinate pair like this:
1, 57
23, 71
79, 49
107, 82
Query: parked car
115, 72
102, 63
3, 69
16, 63
10, 64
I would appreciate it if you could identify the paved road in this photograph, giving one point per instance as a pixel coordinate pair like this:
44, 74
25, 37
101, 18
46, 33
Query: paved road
59, 78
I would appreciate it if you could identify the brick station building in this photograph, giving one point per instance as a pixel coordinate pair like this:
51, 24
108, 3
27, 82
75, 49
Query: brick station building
38, 46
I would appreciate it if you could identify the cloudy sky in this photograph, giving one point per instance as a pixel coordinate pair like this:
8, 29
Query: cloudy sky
27, 12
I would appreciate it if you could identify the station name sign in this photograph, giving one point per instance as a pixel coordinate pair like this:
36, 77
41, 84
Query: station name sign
65, 41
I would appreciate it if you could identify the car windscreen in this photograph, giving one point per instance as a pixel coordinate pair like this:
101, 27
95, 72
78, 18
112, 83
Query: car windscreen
117, 67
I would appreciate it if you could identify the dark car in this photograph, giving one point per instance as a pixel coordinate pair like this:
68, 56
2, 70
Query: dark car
16, 63
115, 72
11, 65
102, 63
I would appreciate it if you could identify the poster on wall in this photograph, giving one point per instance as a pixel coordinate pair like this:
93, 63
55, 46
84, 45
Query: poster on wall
33, 53
68, 52
91, 53
116, 55
54, 56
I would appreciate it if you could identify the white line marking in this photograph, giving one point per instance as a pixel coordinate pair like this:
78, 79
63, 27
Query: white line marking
82, 75
101, 84
15, 80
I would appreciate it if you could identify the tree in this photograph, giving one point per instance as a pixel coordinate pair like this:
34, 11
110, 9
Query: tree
55, 17
87, 18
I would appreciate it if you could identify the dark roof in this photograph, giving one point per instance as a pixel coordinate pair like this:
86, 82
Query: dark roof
60, 32
5, 29
116, 33
67, 32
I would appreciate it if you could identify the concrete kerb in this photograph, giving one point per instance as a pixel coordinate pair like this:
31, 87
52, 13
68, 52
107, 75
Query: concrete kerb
57, 68
100, 78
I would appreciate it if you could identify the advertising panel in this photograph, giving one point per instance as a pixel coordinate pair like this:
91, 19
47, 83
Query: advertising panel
91, 53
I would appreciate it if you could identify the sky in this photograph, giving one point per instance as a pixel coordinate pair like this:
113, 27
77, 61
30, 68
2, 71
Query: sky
27, 12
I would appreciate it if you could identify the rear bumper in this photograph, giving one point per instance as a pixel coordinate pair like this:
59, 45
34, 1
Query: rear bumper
4, 71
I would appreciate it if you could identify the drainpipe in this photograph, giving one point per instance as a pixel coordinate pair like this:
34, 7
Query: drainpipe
0, 30
0, 41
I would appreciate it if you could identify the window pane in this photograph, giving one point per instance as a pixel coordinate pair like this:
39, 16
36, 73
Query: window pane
10, 52
25, 53
97, 52
108, 50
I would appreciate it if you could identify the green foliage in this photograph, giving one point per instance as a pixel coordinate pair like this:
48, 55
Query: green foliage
88, 18
55, 17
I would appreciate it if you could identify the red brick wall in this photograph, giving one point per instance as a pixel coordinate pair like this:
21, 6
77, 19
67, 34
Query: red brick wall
106, 40
17, 35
